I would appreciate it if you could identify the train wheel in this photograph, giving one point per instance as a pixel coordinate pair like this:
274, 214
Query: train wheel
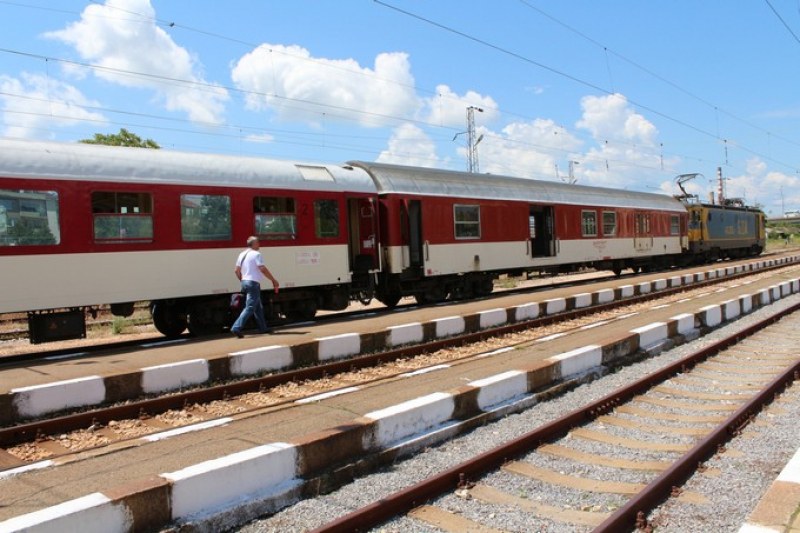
484, 286
390, 300
167, 319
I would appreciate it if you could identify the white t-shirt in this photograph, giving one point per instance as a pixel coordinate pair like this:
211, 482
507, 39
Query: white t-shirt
249, 261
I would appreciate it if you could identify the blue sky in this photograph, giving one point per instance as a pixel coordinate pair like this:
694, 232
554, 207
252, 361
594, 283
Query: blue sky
633, 92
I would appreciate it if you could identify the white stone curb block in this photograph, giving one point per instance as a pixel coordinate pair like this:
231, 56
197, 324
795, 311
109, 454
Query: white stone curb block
731, 309
583, 299
174, 375
651, 334
410, 418
555, 305
688, 279
578, 361
721, 272
500, 388
626, 291
685, 323
492, 317
711, 274
763, 297
449, 326
89, 514
796, 285
660, 284
526, 311
213, 485
605, 295
729, 271
786, 289
405, 334
711, 315
746, 303
339, 346
644, 287
260, 359
675, 281
791, 472
700, 276
37, 400
775, 292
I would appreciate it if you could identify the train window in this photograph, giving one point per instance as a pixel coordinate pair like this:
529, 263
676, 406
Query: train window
122, 216
674, 225
205, 217
467, 221
326, 218
274, 217
29, 218
589, 223
609, 223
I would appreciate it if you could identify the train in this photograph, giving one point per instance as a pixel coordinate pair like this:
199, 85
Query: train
85, 225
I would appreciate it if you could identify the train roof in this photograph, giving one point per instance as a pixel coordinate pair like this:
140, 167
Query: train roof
432, 182
88, 162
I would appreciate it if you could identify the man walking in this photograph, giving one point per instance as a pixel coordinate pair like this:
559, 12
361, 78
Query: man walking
250, 269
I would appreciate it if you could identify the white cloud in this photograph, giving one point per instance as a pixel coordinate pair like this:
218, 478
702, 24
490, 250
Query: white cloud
263, 138
626, 146
37, 102
409, 145
525, 149
611, 118
297, 86
450, 110
122, 35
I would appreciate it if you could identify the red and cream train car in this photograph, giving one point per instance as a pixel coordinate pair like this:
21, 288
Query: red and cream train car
83, 225
449, 234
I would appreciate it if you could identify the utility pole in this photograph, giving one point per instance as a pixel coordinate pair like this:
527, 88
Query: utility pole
472, 142
721, 191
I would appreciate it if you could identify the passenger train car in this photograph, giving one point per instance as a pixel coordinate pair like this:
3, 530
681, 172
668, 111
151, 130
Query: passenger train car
85, 225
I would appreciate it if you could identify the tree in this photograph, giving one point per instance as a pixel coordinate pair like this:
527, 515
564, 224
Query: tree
123, 138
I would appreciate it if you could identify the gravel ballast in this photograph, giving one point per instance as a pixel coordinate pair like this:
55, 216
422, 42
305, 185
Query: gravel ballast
732, 483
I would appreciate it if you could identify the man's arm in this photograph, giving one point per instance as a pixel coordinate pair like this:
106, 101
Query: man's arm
267, 274
238, 272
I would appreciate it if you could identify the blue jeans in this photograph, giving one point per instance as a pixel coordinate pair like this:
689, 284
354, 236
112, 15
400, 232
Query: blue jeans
252, 306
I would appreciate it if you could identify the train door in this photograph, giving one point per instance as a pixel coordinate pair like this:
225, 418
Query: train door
642, 236
541, 222
362, 247
415, 255
362, 227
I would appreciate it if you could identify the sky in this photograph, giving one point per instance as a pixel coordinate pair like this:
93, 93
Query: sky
626, 94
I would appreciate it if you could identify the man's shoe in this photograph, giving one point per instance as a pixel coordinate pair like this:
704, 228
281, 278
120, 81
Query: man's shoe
237, 333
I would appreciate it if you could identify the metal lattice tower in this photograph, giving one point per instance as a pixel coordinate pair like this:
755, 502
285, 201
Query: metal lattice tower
472, 142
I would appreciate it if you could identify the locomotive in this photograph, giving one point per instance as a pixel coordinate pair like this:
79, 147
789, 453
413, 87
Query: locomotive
86, 225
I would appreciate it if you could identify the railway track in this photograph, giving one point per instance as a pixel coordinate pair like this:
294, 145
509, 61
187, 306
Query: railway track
9, 332
95, 428
629, 449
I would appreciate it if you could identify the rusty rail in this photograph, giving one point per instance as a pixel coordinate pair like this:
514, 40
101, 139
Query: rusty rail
406, 499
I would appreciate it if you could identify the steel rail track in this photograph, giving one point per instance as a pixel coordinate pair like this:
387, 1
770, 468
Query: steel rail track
624, 518
86, 351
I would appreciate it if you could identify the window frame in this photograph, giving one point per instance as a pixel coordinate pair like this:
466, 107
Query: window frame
589, 222
20, 218
123, 217
613, 232
674, 225
460, 225
204, 237
318, 230
289, 202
